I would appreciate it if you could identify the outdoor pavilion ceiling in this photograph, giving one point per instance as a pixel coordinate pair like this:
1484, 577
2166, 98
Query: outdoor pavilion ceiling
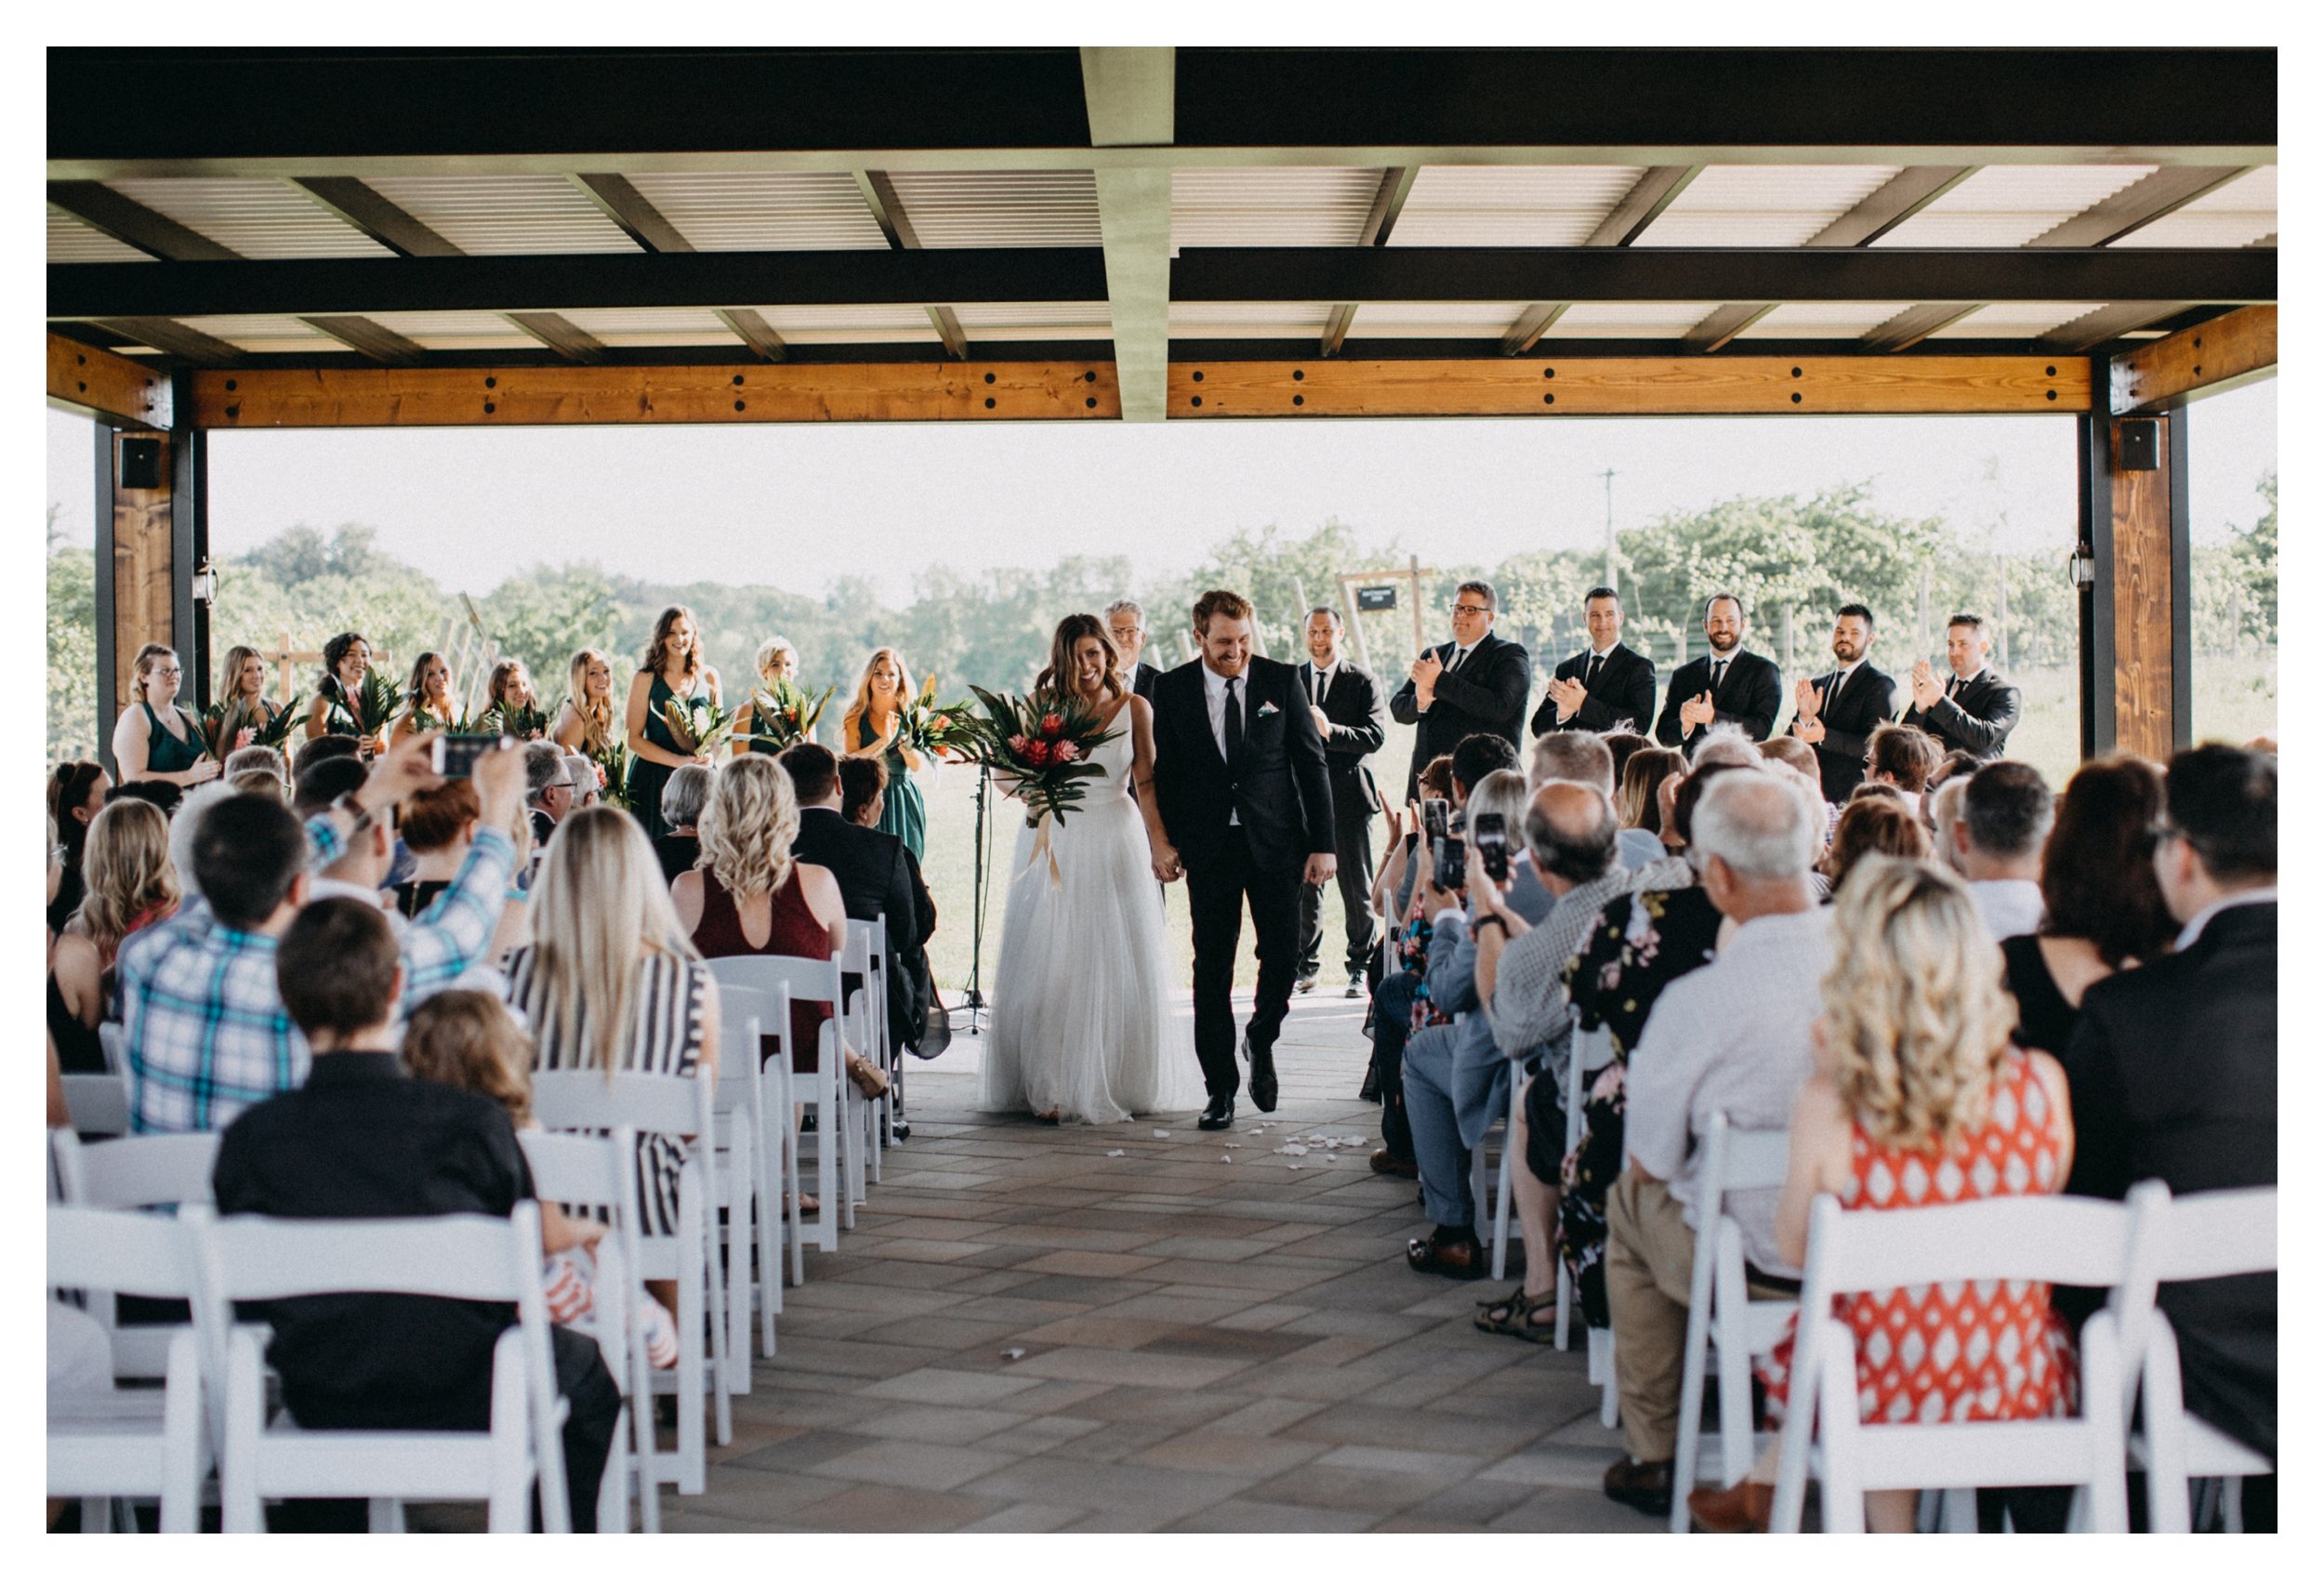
1150, 209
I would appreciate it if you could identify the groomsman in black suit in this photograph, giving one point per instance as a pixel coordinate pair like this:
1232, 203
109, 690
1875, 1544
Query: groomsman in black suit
1127, 621
1474, 684
1353, 722
1603, 683
1726, 685
1835, 713
1973, 709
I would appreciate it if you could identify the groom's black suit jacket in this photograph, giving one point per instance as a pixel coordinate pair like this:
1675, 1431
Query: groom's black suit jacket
1281, 789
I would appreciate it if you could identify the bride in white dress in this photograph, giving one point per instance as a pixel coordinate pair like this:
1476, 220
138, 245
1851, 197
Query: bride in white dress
1080, 1030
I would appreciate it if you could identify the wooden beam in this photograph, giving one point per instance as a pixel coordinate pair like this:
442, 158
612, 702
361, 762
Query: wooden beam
887, 209
2140, 204
1653, 191
1395, 186
143, 570
105, 386
2110, 323
356, 203
755, 331
560, 335
619, 201
1131, 100
1531, 325
2223, 353
1592, 387
752, 392
133, 224
1896, 200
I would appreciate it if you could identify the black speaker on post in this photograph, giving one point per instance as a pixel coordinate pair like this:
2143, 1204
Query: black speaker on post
2141, 445
139, 464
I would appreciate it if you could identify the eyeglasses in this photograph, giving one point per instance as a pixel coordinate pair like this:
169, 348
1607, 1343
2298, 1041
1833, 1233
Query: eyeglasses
2163, 829
1470, 608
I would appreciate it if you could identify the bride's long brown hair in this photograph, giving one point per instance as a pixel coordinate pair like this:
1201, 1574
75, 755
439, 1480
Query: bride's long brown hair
1059, 676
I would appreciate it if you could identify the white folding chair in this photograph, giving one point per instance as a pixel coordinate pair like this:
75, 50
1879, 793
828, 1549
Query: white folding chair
876, 978
458, 1257
740, 1106
1721, 1315
128, 1173
1593, 1050
815, 981
860, 1024
2210, 1234
671, 1105
99, 1104
600, 1173
2055, 1239
129, 1442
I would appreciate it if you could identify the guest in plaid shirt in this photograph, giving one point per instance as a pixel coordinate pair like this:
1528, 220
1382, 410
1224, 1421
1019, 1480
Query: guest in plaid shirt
203, 1016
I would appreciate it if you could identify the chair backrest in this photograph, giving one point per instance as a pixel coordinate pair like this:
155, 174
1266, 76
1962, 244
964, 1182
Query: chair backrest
99, 1104
584, 1099
2072, 1240
2209, 1234
861, 946
113, 1042
815, 980
455, 1255
128, 1253
1736, 1159
135, 1171
587, 1171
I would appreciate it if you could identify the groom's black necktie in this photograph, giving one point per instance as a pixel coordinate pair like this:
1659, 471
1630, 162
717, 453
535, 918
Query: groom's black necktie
1233, 725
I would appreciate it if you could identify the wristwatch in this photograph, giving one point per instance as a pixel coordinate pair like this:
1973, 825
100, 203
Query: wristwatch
1491, 918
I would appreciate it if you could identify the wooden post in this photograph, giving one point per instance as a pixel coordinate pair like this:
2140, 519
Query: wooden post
2138, 637
139, 556
1356, 619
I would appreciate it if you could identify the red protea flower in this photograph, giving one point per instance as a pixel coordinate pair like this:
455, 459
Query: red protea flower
1036, 754
1053, 726
1066, 751
1016, 744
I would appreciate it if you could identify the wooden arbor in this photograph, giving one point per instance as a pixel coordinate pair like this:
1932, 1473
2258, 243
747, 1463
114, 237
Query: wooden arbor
1181, 235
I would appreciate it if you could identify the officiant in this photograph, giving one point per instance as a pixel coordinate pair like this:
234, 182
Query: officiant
1352, 717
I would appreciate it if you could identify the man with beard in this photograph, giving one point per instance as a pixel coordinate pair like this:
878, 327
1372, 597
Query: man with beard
1971, 709
1725, 685
1835, 713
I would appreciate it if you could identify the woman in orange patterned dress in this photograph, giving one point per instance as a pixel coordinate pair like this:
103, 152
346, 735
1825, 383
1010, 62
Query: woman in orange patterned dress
1920, 1099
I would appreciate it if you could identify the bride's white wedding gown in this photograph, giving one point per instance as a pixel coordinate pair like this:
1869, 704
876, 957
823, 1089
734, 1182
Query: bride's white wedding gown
1079, 1017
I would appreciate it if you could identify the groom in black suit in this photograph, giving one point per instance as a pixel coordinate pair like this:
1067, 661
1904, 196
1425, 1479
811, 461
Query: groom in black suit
1245, 799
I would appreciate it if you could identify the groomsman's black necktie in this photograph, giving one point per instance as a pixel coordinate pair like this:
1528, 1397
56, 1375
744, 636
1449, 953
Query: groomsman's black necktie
1717, 676
1952, 687
1233, 724
1590, 676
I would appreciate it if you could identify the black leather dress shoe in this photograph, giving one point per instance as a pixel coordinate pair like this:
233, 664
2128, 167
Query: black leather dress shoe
1219, 1116
1643, 1485
1263, 1076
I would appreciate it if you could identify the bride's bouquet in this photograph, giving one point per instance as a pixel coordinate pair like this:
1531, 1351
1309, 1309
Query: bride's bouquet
1040, 744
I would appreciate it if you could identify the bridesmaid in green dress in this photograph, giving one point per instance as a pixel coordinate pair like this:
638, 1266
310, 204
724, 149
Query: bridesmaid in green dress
869, 730
672, 670
778, 682
346, 660
154, 738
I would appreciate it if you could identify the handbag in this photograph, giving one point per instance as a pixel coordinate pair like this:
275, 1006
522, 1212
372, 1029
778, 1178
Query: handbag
935, 1028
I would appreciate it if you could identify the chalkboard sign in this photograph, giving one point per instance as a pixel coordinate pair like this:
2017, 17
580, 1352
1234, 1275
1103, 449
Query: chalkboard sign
1372, 599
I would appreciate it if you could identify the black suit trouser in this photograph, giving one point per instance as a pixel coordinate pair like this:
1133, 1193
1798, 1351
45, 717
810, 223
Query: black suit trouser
1351, 843
1216, 891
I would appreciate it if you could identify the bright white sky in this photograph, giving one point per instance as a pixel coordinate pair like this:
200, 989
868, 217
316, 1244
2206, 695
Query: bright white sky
795, 506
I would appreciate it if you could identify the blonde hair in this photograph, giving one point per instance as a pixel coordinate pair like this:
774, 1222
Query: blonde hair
765, 655
466, 1038
128, 867
599, 907
147, 655
1915, 1014
595, 714
229, 672
257, 781
862, 704
748, 824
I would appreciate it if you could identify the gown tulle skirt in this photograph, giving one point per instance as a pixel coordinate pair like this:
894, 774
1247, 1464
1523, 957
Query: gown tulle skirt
1081, 1023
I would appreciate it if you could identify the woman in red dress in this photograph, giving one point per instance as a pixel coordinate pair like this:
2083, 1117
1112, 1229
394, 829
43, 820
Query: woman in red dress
1920, 1099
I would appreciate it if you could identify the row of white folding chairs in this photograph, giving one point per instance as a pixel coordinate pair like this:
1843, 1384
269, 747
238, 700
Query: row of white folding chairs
213, 1370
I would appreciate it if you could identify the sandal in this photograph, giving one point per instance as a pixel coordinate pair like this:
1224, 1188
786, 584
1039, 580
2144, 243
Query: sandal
1518, 1321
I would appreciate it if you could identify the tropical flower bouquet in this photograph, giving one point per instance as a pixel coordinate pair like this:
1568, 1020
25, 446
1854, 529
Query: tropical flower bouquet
1039, 744
784, 716
932, 729
227, 726
374, 704
526, 723
613, 763
700, 726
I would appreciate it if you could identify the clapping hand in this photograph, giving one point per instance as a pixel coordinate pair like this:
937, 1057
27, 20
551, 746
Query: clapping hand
1568, 694
1697, 711
1809, 701
1808, 728
1926, 692
1425, 670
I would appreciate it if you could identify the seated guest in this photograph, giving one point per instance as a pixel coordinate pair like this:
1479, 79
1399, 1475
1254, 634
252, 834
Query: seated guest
2005, 815
863, 786
679, 843
1943, 805
1580, 757
1901, 756
549, 788
610, 983
1798, 755
1958, 764
1872, 825
1399, 1005
749, 883
76, 794
1455, 1079
360, 1139
438, 826
205, 1026
1520, 979
1641, 778
1622, 745
159, 793
1916, 1078
588, 779
2173, 1072
877, 875
321, 748
2104, 907
1731, 1037
130, 884
247, 769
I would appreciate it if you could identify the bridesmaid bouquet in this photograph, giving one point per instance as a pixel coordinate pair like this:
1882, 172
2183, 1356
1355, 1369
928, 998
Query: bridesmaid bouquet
526, 723
374, 704
1041, 744
784, 717
227, 726
931, 729
700, 726
613, 763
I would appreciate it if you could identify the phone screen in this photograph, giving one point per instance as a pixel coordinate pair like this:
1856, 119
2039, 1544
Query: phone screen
1492, 841
1436, 817
455, 755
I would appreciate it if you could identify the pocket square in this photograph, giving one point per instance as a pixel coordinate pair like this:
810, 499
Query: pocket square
1268, 710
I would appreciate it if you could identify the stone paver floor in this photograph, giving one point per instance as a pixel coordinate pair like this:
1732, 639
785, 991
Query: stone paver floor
1215, 1336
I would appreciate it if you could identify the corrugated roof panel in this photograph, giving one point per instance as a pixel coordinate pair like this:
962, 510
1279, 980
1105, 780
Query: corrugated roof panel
1510, 206
993, 317
842, 324
1618, 321
74, 239
1251, 321
601, 321
717, 336
1761, 205
238, 327
788, 211
423, 326
255, 217
1430, 320
2007, 205
2233, 216
1295, 206
505, 214
2015, 320
1812, 320
1000, 208
508, 340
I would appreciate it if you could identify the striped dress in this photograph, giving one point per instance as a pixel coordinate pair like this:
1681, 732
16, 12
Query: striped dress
665, 1039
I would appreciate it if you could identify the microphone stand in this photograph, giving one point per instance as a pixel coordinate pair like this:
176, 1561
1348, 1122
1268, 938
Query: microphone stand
975, 997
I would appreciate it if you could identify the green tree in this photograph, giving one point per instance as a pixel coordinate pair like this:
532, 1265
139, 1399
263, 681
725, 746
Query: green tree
546, 616
72, 650
2255, 553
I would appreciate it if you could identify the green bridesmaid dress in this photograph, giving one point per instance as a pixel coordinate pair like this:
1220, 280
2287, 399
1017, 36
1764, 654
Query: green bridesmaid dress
905, 814
646, 779
164, 752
